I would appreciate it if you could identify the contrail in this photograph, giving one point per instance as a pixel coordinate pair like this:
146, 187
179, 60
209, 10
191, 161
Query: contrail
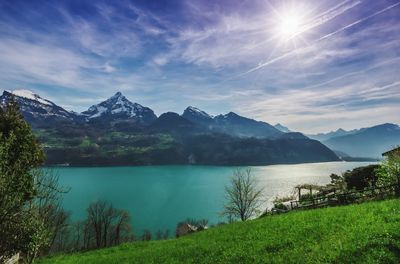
318, 20
359, 21
318, 40
352, 73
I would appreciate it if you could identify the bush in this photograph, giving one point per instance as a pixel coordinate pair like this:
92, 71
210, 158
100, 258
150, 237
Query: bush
361, 178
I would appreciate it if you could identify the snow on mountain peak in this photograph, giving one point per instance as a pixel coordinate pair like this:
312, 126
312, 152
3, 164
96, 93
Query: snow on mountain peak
117, 95
198, 111
30, 95
120, 106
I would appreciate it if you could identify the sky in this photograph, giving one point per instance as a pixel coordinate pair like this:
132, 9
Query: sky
311, 65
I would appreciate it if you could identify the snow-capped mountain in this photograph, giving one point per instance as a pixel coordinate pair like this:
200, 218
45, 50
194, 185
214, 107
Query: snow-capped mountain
118, 107
197, 116
37, 110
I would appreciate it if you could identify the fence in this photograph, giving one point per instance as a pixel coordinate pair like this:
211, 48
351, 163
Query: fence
347, 197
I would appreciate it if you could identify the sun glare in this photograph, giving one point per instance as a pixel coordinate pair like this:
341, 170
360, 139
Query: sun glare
289, 24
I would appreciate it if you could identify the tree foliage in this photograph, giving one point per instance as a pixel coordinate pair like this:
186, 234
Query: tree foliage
20, 155
361, 177
389, 170
244, 196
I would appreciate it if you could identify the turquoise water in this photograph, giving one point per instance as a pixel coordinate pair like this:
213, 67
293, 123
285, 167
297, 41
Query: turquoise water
158, 197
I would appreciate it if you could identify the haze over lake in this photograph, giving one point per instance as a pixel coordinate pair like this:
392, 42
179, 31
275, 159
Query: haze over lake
158, 197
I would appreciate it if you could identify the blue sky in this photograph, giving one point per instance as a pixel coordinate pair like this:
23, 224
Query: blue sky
341, 68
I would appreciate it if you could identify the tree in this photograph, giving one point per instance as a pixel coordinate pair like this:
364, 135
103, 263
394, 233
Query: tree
244, 196
122, 230
159, 234
361, 177
47, 206
166, 234
106, 225
146, 235
20, 155
389, 170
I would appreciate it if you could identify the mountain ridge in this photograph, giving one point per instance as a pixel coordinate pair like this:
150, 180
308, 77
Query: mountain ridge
119, 107
113, 136
367, 142
39, 111
231, 123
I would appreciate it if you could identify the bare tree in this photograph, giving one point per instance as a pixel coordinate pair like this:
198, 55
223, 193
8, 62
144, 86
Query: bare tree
244, 196
106, 226
122, 230
146, 235
96, 212
47, 209
159, 234
166, 234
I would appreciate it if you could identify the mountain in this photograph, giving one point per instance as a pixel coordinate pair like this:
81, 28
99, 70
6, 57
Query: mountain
237, 125
137, 137
231, 124
293, 135
325, 136
172, 122
39, 112
367, 142
198, 116
119, 108
220, 149
282, 128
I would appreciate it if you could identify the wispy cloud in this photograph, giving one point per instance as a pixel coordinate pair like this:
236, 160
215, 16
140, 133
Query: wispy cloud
296, 50
341, 64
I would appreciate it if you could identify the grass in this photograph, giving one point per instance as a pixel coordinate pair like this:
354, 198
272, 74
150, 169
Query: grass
364, 233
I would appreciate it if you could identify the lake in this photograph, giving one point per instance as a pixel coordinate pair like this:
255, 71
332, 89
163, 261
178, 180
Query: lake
158, 197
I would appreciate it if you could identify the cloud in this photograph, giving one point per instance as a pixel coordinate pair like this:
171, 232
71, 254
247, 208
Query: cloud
341, 66
108, 68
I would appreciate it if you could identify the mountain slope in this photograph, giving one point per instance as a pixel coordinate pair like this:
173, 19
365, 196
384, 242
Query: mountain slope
172, 122
325, 136
282, 128
198, 116
237, 125
119, 132
231, 124
39, 112
362, 233
218, 149
118, 107
367, 142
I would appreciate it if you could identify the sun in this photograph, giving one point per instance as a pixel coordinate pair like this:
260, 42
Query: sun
290, 23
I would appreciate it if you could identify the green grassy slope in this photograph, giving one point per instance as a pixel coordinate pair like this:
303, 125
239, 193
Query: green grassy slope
365, 233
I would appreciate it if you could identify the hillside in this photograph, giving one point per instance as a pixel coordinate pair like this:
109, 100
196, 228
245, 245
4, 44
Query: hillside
367, 142
364, 233
118, 132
